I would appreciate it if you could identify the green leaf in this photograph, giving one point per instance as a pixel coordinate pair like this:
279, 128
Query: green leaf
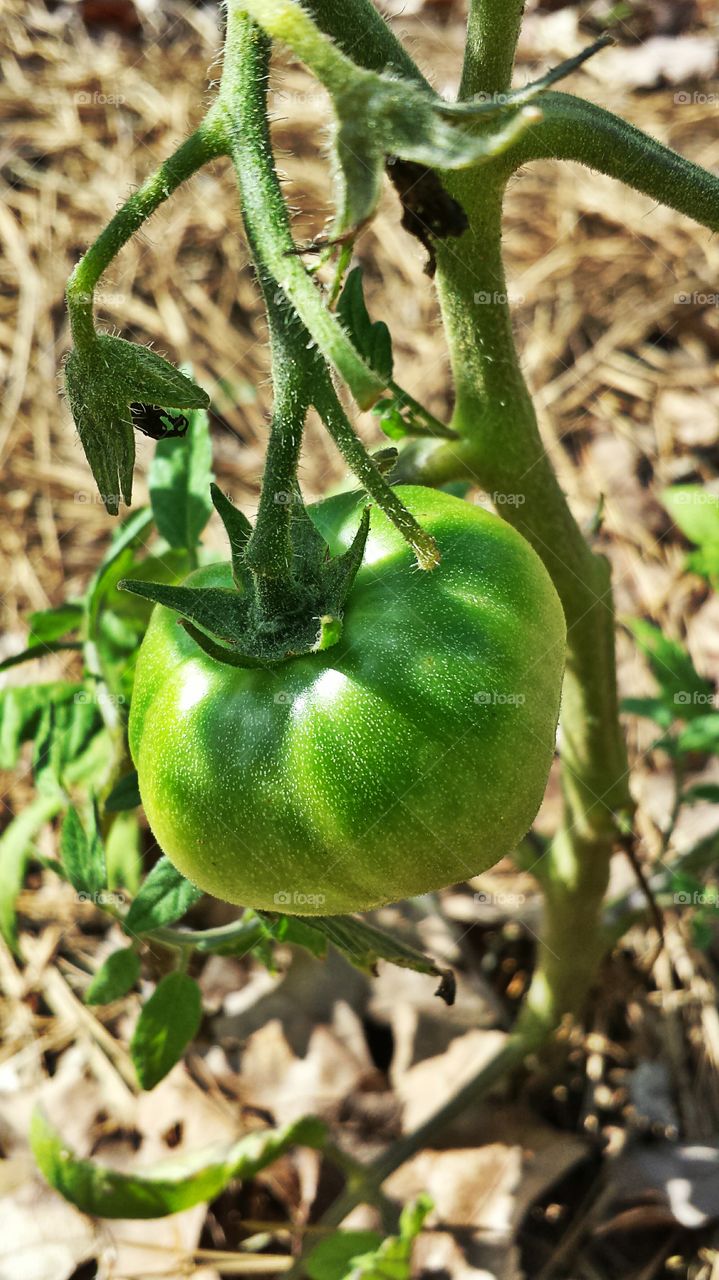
701, 735
102, 381
334, 1258
49, 625
683, 688
364, 945
21, 713
124, 795
115, 978
168, 1022
299, 933
372, 340
179, 483
695, 511
392, 1260
116, 560
164, 897
169, 1187
654, 709
122, 852
15, 844
82, 857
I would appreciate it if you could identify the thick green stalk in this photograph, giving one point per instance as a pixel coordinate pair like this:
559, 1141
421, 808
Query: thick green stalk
501, 447
492, 32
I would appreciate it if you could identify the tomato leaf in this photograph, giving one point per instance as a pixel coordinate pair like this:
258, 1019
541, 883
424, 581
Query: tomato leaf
115, 978
168, 1022
372, 340
363, 945
708, 791
169, 1187
82, 856
682, 687
164, 897
390, 1259
335, 1257
179, 483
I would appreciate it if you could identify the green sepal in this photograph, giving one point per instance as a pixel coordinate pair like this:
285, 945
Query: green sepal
228, 624
237, 528
102, 380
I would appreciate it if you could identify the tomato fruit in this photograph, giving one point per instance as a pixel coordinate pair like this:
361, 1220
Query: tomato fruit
412, 754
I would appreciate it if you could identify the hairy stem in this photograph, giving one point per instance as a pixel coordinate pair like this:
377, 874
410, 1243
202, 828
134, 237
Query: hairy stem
492, 32
203, 145
242, 96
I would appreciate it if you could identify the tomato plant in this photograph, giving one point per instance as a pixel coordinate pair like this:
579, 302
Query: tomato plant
411, 754
361, 704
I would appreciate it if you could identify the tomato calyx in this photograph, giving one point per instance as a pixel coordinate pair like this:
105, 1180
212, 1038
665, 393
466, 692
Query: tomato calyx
261, 621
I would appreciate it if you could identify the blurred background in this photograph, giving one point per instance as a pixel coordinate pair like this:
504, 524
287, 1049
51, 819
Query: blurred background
616, 305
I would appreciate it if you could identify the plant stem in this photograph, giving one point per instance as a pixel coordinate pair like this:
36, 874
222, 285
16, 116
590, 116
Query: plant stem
327, 404
502, 448
242, 99
492, 32
300, 368
204, 144
573, 129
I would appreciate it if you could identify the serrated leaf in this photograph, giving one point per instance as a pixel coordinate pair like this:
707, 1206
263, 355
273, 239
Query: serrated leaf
165, 896
168, 1022
372, 340
169, 1187
21, 711
179, 483
363, 945
115, 978
695, 510
82, 857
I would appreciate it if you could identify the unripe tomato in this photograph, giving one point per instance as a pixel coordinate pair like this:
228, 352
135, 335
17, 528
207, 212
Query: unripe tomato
412, 754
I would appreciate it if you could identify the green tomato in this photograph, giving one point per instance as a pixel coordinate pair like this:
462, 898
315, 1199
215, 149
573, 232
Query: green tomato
412, 754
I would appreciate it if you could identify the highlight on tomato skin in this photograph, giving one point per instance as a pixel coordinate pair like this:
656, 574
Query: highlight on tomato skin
412, 754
